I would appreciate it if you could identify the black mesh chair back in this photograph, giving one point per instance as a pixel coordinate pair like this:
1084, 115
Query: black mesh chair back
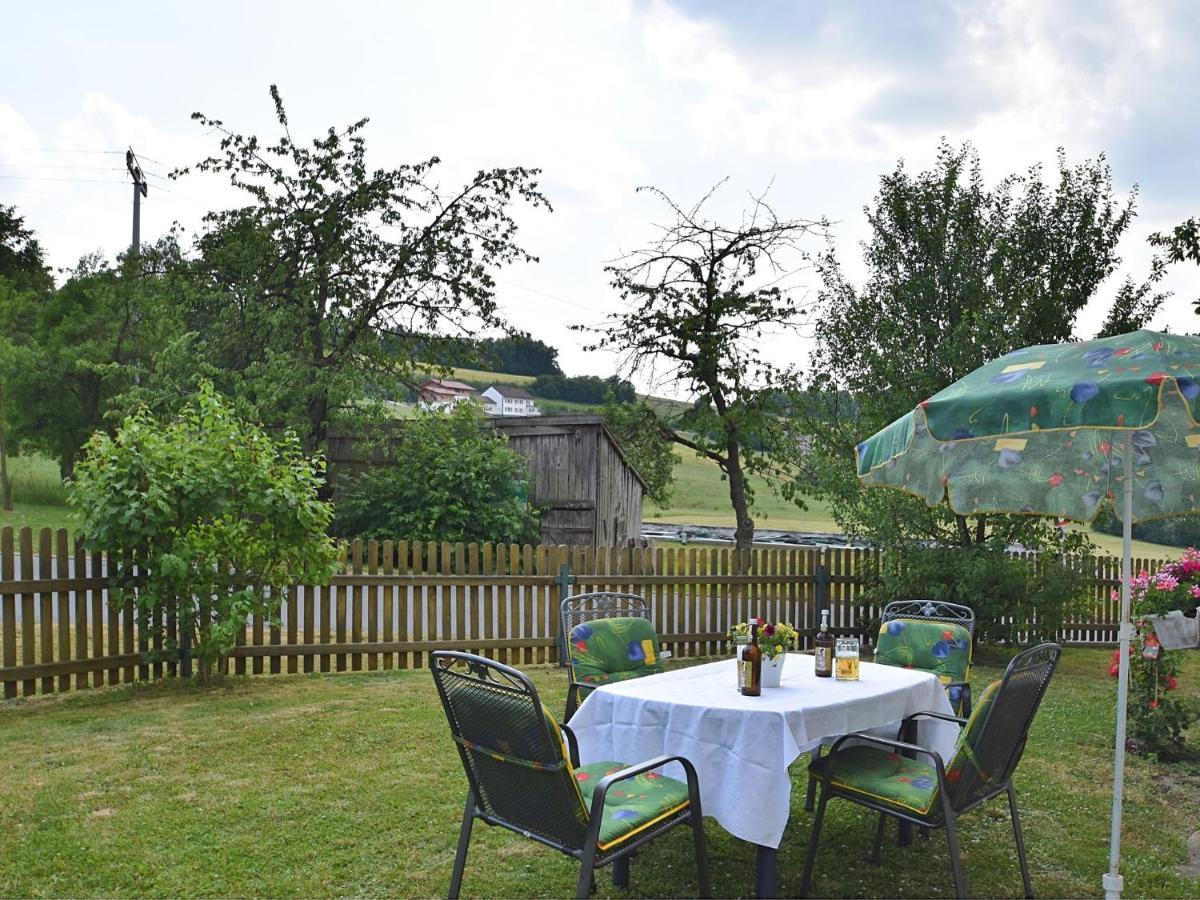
596, 605
935, 610
512, 749
994, 738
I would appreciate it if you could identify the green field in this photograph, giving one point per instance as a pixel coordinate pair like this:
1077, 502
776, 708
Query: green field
39, 497
701, 497
349, 785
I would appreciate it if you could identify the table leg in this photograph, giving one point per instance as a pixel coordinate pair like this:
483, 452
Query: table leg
766, 881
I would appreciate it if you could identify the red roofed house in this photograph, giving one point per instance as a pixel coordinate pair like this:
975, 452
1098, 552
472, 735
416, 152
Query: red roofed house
437, 393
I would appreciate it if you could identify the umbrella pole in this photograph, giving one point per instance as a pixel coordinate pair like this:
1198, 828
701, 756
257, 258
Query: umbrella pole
1113, 882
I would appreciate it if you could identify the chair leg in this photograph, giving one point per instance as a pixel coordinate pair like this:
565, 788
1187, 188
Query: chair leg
701, 854
620, 873
460, 855
875, 847
811, 794
587, 875
813, 838
960, 885
1016, 820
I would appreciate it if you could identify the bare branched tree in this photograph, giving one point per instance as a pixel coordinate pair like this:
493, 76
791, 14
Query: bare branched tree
702, 298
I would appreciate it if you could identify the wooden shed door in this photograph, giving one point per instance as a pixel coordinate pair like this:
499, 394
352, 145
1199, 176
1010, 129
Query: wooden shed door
569, 522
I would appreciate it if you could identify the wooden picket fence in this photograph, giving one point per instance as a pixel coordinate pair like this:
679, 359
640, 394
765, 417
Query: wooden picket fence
394, 602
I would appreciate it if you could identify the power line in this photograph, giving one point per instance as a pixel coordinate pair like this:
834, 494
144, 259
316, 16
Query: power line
60, 166
54, 150
48, 178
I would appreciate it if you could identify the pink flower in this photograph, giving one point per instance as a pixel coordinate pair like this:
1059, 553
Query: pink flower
1195, 592
1166, 582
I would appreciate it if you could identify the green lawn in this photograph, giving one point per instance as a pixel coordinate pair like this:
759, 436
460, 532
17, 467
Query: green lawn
350, 785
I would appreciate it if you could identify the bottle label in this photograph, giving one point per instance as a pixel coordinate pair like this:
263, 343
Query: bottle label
820, 656
741, 668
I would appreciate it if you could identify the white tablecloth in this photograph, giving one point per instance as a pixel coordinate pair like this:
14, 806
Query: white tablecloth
742, 746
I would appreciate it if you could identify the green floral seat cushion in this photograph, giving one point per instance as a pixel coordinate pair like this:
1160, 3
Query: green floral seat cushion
942, 648
634, 805
890, 778
606, 650
875, 773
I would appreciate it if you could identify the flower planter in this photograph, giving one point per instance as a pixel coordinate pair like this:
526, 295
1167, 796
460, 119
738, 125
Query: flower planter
772, 670
1176, 631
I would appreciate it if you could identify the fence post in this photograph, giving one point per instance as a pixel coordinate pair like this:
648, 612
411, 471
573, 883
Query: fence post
565, 579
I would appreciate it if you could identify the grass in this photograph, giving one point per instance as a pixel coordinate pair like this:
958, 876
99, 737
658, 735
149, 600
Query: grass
39, 496
350, 785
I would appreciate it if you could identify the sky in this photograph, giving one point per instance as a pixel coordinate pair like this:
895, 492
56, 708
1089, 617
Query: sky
815, 100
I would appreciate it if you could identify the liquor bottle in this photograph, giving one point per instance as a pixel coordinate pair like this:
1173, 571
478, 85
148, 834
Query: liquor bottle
752, 665
824, 648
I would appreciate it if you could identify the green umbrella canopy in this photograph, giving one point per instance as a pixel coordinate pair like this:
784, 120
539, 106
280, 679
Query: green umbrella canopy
1041, 431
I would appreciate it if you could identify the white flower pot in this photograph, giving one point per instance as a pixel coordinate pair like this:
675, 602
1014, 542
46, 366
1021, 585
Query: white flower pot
772, 669
1175, 630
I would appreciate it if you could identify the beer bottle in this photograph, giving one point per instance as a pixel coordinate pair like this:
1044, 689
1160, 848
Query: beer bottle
752, 660
824, 650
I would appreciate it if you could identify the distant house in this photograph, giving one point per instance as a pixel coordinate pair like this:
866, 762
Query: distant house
437, 393
506, 400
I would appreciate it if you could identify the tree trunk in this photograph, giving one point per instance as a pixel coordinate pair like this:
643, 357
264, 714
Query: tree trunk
744, 534
5, 482
964, 530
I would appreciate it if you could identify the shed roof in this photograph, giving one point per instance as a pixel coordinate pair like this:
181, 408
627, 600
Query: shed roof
548, 423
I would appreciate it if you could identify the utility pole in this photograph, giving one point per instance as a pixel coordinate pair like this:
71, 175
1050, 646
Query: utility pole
140, 190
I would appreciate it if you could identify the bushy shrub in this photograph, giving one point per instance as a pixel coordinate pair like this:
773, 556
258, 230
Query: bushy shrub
1015, 599
454, 479
218, 518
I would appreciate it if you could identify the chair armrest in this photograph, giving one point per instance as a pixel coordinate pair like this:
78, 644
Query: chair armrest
893, 745
572, 744
946, 717
600, 794
575, 690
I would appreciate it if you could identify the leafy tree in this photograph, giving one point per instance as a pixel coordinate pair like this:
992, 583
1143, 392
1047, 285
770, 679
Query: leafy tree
219, 517
22, 259
519, 354
93, 339
957, 275
584, 388
640, 434
699, 299
297, 289
1181, 244
459, 482
24, 279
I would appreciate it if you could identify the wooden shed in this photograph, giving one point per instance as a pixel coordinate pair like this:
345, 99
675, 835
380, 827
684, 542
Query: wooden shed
588, 491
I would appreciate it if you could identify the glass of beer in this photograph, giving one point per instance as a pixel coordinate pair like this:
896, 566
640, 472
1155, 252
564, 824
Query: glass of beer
845, 659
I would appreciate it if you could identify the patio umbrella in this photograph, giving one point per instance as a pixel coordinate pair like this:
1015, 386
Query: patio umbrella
1056, 430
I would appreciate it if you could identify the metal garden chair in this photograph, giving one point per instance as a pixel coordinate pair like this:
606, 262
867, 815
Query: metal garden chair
930, 635
607, 636
913, 784
524, 775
